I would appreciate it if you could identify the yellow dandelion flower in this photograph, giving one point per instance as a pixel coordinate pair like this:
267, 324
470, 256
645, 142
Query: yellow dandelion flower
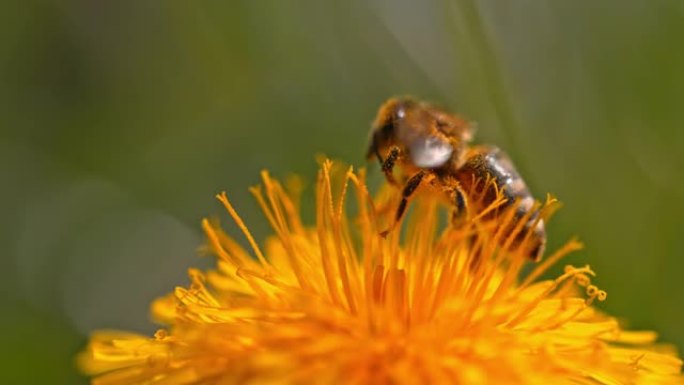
337, 303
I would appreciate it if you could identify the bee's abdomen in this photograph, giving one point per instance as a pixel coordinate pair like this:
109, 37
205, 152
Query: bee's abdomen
488, 173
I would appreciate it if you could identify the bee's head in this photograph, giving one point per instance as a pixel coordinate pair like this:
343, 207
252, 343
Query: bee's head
384, 131
428, 135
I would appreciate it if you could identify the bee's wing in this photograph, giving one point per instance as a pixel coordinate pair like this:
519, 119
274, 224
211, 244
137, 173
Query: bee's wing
427, 146
430, 151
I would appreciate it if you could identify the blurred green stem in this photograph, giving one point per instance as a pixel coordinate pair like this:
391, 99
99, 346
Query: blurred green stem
472, 39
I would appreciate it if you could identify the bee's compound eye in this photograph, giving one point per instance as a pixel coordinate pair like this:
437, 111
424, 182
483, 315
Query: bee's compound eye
401, 113
430, 152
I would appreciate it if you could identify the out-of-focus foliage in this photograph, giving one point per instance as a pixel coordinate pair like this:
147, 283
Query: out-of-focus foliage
120, 120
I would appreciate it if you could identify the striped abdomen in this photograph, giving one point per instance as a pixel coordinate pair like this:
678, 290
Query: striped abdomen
483, 164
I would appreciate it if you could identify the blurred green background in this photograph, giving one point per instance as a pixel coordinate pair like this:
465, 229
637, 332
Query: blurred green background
120, 120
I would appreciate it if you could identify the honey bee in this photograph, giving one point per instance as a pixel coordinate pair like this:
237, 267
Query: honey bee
432, 145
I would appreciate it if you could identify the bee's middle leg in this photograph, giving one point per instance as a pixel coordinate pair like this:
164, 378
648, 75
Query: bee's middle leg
406, 193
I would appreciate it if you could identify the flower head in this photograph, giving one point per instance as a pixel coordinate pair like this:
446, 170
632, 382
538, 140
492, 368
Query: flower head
338, 303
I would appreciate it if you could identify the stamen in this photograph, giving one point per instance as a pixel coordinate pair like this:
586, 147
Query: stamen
283, 230
321, 226
218, 249
291, 201
542, 267
341, 257
238, 221
531, 304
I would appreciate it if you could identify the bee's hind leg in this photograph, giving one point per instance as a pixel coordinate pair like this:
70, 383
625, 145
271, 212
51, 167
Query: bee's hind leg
459, 218
458, 199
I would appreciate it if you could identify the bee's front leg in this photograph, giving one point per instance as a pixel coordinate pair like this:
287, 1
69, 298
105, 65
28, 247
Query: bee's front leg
387, 165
